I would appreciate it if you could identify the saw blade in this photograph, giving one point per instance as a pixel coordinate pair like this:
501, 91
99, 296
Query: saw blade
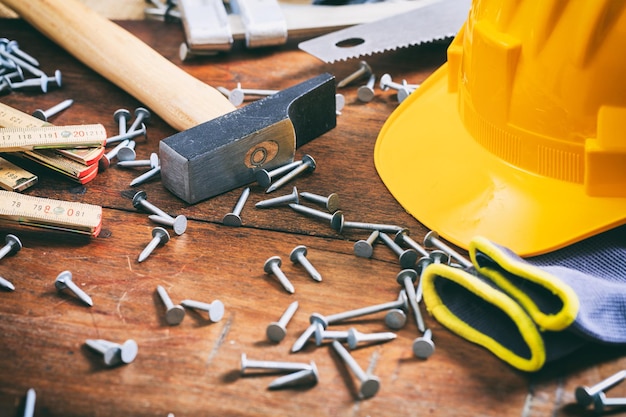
429, 21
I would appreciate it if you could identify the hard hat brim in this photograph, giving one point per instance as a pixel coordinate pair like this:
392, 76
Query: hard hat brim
451, 184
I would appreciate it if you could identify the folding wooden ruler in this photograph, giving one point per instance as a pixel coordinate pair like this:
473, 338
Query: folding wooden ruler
20, 209
76, 164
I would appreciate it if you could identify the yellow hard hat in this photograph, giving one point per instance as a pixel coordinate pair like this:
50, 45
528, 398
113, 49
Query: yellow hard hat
521, 136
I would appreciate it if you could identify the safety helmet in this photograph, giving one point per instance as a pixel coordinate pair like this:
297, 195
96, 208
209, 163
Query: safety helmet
521, 136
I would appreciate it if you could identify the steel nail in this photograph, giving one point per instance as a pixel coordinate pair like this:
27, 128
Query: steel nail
234, 218
275, 366
406, 278
400, 303
12, 246
110, 353
127, 350
370, 384
365, 248
153, 162
364, 69
355, 337
130, 134
586, 395
424, 346
145, 176
106, 159
159, 237
388, 228
298, 256
14, 48
280, 200
276, 331
121, 117
308, 165
432, 240
272, 266
407, 257
178, 223
331, 202
29, 404
6, 284
365, 93
303, 338
321, 334
127, 153
264, 177
297, 378
64, 281
46, 114
402, 237
141, 114
420, 267
174, 314
395, 318
336, 218
215, 309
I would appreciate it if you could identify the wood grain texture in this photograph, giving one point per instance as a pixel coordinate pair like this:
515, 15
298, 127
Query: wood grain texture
193, 369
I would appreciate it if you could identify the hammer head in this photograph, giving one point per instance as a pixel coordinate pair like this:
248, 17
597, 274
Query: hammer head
224, 153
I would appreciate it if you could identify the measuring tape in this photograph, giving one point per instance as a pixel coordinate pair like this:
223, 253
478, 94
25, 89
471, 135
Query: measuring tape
48, 137
50, 214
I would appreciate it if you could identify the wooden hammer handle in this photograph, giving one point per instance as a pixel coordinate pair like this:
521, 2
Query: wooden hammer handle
177, 97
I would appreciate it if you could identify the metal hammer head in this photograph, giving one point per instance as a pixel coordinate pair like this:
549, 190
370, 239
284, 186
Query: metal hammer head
224, 153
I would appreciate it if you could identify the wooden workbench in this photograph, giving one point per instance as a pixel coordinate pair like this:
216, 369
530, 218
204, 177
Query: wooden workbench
193, 369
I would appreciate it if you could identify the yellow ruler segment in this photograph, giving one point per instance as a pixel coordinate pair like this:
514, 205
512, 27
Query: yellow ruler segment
10, 117
50, 213
14, 178
15, 139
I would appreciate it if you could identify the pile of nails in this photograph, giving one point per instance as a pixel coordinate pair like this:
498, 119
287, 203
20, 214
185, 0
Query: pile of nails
124, 149
19, 70
366, 92
596, 395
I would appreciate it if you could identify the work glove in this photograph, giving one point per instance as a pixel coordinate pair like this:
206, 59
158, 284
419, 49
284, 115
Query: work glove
529, 312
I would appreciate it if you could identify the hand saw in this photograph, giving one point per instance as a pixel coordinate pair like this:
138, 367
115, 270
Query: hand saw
431, 20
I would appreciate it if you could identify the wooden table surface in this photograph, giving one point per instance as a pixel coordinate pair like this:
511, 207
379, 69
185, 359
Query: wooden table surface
193, 369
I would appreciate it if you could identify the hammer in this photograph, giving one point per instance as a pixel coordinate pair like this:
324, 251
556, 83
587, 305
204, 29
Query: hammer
219, 147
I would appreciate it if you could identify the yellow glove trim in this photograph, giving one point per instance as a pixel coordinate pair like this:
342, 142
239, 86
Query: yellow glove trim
483, 293
522, 270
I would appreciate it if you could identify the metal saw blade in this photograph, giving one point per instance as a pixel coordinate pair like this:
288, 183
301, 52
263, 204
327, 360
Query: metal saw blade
429, 21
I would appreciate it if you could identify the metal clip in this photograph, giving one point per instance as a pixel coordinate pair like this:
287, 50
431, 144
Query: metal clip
206, 25
263, 20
